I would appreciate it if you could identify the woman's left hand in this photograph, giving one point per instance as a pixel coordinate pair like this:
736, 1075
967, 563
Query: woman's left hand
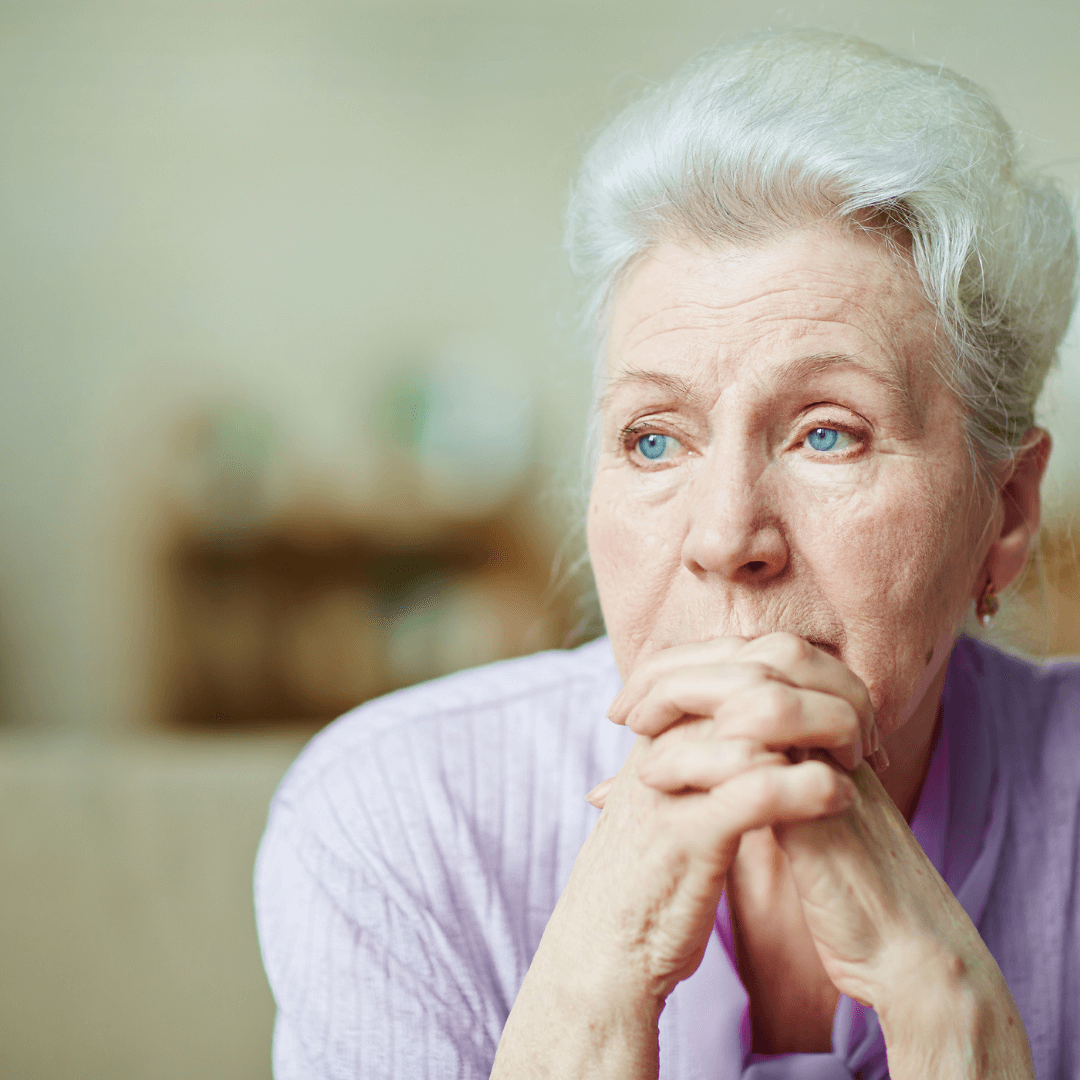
883, 921
887, 928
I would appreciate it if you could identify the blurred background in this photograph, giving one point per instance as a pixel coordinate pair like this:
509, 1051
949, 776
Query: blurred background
292, 411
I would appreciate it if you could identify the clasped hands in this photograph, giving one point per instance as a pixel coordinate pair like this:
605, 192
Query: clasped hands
736, 735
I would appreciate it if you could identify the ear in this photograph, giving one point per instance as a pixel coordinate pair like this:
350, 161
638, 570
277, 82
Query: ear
1020, 511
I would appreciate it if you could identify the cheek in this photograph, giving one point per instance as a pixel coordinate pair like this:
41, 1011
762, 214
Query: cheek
895, 563
634, 553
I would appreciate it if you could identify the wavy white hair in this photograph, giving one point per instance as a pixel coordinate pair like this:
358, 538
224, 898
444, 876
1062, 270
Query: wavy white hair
786, 128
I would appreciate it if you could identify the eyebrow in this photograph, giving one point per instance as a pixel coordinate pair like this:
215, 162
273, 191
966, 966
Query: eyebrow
797, 370
673, 384
806, 367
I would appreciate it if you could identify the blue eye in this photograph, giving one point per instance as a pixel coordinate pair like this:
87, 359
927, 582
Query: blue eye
824, 439
655, 446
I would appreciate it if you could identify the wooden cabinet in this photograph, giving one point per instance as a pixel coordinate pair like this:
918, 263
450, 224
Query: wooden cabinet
302, 622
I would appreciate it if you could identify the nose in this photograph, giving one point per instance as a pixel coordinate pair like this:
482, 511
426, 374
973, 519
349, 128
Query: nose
735, 530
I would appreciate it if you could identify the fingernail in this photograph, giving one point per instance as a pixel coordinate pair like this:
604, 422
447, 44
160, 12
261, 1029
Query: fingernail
879, 760
875, 739
615, 708
599, 791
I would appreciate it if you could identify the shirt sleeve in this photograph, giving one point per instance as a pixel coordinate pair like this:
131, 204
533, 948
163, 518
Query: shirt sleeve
369, 980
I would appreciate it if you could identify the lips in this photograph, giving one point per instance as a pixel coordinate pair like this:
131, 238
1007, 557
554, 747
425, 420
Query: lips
826, 645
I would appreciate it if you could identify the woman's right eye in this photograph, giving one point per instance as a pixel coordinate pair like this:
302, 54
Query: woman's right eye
654, 447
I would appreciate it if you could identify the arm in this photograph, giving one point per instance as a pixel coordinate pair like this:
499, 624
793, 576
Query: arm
570, 1022
955, 1019
639, 908
891, 933
638, 911
888, 930
364, 985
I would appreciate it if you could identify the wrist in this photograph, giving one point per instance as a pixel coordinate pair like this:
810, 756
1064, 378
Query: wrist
576, 1019
948, 1015
923, 995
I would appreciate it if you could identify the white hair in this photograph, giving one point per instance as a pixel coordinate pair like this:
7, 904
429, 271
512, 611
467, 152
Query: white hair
787, 128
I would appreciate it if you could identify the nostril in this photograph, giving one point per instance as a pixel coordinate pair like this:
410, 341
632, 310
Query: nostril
755, 567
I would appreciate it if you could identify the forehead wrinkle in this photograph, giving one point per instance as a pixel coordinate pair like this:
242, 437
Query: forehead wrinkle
703, 310
630, 342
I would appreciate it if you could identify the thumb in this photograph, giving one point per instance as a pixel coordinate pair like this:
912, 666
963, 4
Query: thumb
598, 795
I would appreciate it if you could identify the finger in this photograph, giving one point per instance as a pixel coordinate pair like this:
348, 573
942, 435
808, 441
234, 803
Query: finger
697, 689
702, 764
694, 690
747, 704
771, 795
598, 795
660, 663
803, 664
785, 717
879, 760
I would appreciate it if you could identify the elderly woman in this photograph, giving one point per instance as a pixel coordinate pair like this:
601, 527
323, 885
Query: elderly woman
827, 296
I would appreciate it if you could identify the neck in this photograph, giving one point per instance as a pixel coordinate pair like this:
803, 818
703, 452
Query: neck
909, 748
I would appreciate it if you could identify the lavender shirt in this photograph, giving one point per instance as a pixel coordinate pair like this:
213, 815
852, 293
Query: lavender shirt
416, 849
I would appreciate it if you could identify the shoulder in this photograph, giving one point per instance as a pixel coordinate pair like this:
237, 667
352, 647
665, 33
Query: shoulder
475, 771
1032, 710
556, 695
414, 853
1036, 705
1032, 913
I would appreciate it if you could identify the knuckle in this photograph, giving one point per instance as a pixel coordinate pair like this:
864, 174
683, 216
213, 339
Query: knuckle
664, 686
678, 736
755, 671
741, 753
650, 767
765, 787
787, 647
697, 731
779, 702
722, 647
823, 782
847, 722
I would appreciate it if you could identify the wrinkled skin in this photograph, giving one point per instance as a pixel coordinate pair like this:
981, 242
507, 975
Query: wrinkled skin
872, 550
786, 532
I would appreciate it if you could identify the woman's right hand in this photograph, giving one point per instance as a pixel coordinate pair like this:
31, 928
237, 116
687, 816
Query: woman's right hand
640, 905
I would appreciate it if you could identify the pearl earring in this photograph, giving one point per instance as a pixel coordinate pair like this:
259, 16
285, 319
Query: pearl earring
987, 606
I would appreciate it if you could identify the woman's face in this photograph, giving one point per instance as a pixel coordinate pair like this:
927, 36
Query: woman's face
777, 454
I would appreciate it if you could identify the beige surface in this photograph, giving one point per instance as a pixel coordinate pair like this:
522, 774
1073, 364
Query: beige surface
275, 202
127, 940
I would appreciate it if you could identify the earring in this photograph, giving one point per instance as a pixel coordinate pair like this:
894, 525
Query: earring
987, 606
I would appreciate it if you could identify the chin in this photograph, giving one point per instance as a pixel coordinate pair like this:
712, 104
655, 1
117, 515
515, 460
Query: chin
898, 683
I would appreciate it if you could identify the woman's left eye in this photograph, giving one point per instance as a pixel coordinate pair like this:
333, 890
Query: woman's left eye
825, 439
655, 447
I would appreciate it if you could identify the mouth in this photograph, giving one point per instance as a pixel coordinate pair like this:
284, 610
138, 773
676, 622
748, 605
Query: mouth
826, 646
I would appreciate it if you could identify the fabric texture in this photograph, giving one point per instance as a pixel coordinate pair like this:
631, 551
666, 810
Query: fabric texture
417, 848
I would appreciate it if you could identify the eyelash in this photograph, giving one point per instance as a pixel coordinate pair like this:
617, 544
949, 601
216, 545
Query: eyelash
857, 434
630, 434
635, 431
